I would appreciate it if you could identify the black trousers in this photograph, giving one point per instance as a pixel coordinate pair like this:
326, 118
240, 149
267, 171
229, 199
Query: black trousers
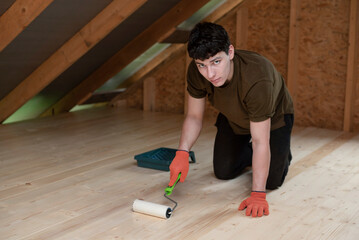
233, 152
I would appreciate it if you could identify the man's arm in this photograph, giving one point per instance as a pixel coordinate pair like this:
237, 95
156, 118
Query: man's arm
260, 132
191, 129
257, 204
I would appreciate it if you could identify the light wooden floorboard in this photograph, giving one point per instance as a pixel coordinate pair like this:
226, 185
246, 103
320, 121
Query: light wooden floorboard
74, 177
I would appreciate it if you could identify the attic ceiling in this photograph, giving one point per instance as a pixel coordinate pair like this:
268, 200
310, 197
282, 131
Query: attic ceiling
48, 32
105, 49
53, 27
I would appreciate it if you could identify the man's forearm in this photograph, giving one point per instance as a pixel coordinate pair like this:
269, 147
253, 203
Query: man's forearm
190, 132
260, 165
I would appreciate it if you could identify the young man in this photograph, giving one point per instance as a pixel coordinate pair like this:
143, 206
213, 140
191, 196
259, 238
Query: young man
255, 120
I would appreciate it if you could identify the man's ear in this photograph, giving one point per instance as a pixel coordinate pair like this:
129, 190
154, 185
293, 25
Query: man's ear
231, 52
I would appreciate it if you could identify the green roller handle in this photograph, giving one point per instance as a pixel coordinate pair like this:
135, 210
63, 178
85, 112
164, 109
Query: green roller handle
169, 189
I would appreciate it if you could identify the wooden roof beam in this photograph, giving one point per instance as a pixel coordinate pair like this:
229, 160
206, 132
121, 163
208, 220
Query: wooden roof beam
157, 32
84, 40
293, 52
352, 71
18, 17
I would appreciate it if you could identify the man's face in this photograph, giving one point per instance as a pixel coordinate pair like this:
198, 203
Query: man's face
217, 69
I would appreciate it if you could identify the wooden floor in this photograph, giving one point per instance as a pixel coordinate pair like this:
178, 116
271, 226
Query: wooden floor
74, 177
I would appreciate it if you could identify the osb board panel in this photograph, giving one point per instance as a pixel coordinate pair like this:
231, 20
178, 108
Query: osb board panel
135, 100
268, 30
229, 23
323, 38
170, 80
170, 84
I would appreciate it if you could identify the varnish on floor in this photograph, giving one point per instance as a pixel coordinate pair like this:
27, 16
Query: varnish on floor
74, 177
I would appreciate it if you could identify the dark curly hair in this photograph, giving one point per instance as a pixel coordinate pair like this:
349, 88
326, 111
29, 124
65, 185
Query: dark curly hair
206, 40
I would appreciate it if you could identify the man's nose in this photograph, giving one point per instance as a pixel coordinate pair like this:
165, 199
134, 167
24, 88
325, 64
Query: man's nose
210, 72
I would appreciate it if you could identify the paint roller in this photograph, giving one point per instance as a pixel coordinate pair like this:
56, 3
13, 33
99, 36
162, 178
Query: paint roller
154, 209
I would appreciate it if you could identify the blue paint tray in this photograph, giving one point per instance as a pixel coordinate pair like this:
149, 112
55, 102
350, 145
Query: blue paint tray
159, 158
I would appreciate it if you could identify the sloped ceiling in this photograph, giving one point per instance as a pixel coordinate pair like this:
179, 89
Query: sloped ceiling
110, 45
52, 28
54, 24
48, 32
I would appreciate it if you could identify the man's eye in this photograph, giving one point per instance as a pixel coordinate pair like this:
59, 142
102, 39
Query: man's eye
200, 65
217, 62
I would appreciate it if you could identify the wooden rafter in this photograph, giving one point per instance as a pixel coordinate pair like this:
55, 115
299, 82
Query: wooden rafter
158, 31
293, 49
352, 71
69, 53
149, 94
18, 17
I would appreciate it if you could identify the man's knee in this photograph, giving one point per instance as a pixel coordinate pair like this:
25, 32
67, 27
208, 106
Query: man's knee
224, 174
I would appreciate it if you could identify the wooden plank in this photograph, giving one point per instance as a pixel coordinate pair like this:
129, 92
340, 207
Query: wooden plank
352, 71
320, 153
158, 31
149, 94
292, 77
18, 17
84, 40
53, 188
242, 28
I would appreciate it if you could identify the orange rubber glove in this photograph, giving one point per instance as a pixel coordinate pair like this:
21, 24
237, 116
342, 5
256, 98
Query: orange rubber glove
255, 204
180, 164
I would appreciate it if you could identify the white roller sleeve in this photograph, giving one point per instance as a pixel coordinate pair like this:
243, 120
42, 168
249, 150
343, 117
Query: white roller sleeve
152, 209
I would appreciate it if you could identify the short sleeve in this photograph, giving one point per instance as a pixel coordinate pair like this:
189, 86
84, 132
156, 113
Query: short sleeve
195, 86
259, 101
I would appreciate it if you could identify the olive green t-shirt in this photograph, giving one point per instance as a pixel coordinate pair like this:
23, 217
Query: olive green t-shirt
255, 93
